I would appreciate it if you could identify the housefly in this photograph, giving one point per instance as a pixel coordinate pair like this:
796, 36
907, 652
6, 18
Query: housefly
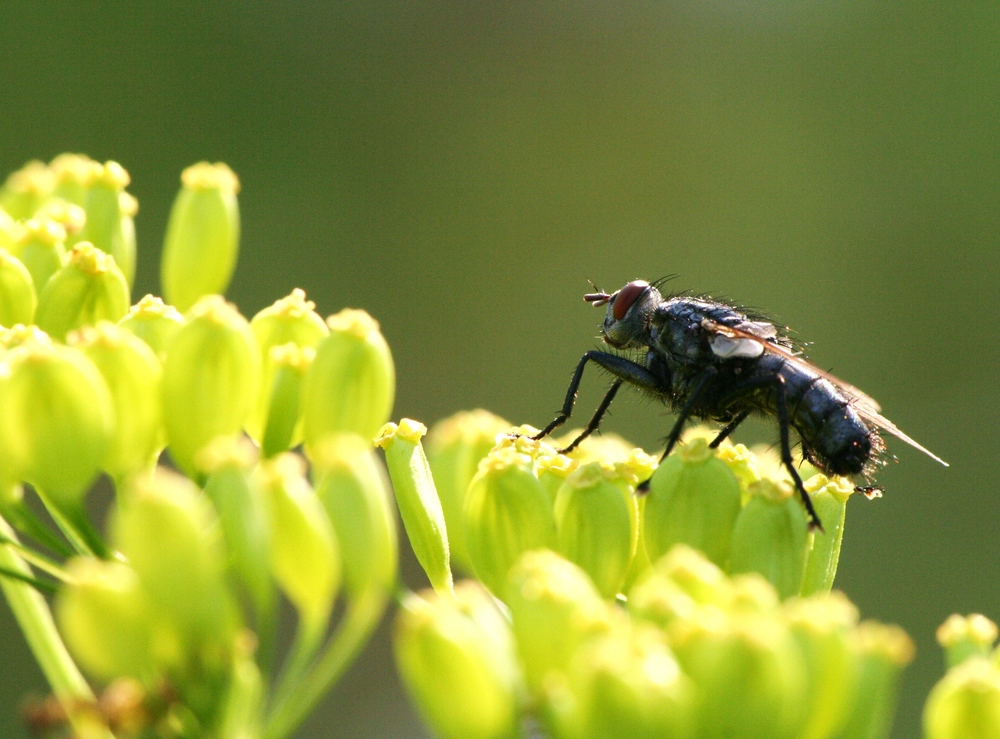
708, 360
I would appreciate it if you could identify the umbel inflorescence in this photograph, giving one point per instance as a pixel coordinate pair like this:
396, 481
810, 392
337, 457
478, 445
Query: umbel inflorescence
242, 456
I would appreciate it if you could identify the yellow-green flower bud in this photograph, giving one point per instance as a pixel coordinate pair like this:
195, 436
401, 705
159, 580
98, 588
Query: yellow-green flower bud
168, 531
26, 189
56, 420
352, 383
417, 498
209, 379
771, 537
10, 232
72, 174
288, 365
829, 498
154, 322
596, 448
593, 526
821, 625
694, 499
88, 289
133, 375
109, 216
507, 512
68, 215
552, 471
883, 652
353, 488
105, 618
203, 235
304, 555
40, 248
741, 461
291, 320
677, 585
455, 447
18, 299
456, 658
966, 636
18, 334
965, 703
555, 609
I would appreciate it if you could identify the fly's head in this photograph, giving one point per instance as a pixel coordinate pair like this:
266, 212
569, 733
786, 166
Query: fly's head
630, 311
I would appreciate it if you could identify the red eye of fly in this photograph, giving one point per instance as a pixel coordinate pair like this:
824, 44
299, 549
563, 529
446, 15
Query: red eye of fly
626, 296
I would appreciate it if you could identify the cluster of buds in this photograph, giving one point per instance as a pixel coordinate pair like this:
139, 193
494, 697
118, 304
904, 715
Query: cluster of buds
179, 599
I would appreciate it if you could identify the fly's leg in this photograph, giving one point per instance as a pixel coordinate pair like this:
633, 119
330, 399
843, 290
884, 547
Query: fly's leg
596, 420
729, 428
567, 409
786, 453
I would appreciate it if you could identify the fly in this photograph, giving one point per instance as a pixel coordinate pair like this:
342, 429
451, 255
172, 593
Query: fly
707, 360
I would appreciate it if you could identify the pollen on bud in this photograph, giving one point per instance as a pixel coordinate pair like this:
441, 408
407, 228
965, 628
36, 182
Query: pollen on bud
507, 512
72, 173
202, 241
694, 498
210, 379
68, 215
352, 382
966, 636
88, 289
455, 447
154, 322
41, 249
18, 299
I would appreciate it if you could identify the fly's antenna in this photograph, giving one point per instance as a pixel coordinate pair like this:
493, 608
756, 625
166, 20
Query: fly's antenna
598, 297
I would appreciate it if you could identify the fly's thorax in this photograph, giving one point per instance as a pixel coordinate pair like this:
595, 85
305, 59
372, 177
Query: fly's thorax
630, 313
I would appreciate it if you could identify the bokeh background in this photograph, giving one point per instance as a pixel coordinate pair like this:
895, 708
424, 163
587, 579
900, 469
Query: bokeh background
460, 169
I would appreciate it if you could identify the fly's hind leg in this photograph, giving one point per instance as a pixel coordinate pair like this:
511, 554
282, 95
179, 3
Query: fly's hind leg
728, 429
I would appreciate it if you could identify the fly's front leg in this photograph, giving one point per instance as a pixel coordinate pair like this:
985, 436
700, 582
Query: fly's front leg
596, 420
786, 453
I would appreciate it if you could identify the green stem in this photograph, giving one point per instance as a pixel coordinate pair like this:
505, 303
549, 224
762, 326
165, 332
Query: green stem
76, 527
24, 520
35, 619
32, 581
36, 558
307, 642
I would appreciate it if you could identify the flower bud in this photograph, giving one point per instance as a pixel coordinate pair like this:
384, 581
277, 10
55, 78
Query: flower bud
154, 322
507, 512
169, 533
417, 498
209, 379
595, 448
109, 224
133, 375
352, 382
771, 537
304, 555
829, 498
291, 320
25, 190
455, 447
40, 248
17, 292
693, 499
10, 232
552, 471
555, 609
105, 618
68, 215
676, 586
456, 658
966, 636
203, 234
355, 493
56, 420
593, 527
72, 174
965, 703
882, 653
88, 289
288, 364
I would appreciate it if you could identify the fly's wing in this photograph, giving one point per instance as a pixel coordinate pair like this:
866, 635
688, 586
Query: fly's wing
864, 404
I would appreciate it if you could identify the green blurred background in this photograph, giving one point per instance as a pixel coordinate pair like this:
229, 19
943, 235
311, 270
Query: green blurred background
461, 169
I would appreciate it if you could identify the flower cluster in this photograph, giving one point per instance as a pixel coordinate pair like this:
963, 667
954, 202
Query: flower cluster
175, 608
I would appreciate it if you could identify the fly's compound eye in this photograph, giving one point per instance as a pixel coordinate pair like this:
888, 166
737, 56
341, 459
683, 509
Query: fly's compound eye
626, 296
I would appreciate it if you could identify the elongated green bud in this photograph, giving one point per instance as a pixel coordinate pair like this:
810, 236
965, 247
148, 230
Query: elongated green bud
105, 617
203, 235
593, 526
883, 652
56, 420
209, 379
154, 322
965, 703
352, 383
90, 288
68, 215
771, 537
507, 512
555, 609
456, 658
305, 558
353, 488
455, 447
417, 498
693, 499
109, 216
966, 636
829, 497
26, 189
72, 174
40, 248
10, 232
289, 364
677, 585
133, 375
17, 292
